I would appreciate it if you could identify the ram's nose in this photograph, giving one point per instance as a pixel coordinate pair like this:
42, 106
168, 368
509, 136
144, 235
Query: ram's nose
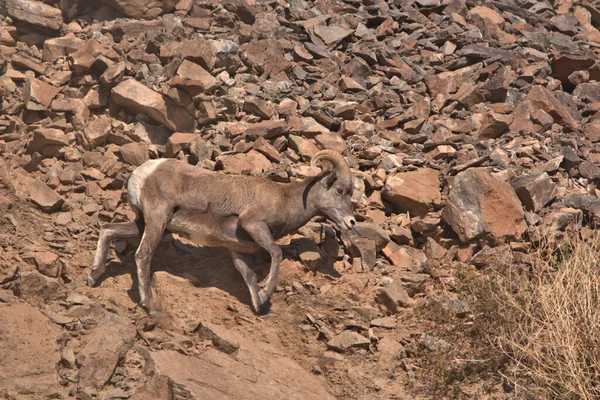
350, 222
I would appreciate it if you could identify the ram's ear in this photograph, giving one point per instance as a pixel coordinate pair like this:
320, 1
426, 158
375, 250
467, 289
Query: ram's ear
331, 179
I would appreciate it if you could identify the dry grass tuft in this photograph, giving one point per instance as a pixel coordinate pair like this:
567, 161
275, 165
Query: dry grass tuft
545, 316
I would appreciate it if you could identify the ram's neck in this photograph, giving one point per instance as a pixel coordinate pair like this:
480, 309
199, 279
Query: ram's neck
300, 207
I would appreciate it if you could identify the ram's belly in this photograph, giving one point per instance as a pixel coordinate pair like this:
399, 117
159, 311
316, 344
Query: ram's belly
206, 229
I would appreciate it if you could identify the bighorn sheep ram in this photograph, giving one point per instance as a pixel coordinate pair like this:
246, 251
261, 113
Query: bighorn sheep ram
242, 213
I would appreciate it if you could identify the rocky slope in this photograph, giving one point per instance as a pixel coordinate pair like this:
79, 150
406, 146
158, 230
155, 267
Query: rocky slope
469, 127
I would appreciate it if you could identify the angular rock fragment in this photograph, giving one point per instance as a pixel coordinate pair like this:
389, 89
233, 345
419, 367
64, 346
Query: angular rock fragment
55, 48
393, 297
46, 262
105, 346
416, 192
47, 141
194, 79
141, 99
39, 289
179, 141
253, 162
143, 9
37, 94
35, 13
481, 205
557, 107
41, 195
347, 340
134, 153
97, 131
534, 190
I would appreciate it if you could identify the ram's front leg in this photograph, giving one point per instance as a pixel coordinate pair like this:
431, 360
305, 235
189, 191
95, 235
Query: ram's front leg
259, 231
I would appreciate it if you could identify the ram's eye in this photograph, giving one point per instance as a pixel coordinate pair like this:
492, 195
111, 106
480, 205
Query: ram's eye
340, 191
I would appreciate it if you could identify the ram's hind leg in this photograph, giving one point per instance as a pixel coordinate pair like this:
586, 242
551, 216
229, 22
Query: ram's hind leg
109, 233
258, 298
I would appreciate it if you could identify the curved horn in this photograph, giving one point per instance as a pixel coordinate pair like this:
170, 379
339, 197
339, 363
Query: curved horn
342, 169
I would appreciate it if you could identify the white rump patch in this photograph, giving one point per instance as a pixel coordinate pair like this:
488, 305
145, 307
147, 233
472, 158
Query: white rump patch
137, 179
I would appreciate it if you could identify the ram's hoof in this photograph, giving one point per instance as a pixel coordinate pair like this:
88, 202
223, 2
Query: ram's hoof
264, 306
91, 282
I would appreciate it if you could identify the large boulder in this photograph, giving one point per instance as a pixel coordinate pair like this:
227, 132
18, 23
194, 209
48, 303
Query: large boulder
480, 205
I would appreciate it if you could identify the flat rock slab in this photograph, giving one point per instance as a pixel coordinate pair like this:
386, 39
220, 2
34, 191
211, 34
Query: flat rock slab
140, 99
254, 371
105, 346
30, 351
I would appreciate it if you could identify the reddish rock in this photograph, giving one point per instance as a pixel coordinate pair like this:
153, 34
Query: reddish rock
134, 153
55, 48
143, 9
480, 205
97, 131
347, 340
262, 146
46, 262
253, 162
35, 13
267, 129
306, 126
331, 141
45, 137
262, 108
197, 50
93, 53
41, 195
544, 99
534, 190
194, 79
37, 94
592, 131
141, 99
305, 147
493, 126
266, 55
179, 141
416, 192
394, 297
105, 346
